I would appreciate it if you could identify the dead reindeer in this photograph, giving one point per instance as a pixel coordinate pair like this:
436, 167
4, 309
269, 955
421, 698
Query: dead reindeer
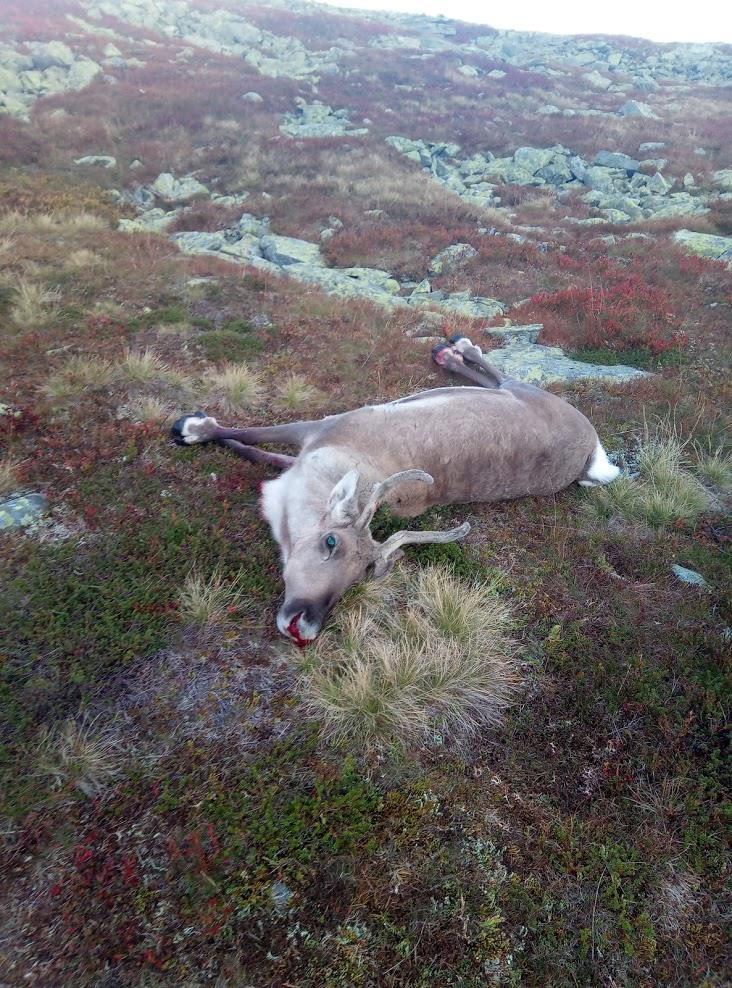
499, 440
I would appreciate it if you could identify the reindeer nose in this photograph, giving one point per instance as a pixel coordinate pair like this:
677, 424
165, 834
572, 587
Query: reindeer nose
301, 620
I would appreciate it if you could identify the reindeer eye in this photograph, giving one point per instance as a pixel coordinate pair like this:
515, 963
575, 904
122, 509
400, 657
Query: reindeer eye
331, 541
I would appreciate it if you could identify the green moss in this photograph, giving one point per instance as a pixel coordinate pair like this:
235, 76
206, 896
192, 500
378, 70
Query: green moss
73, 614
642, 357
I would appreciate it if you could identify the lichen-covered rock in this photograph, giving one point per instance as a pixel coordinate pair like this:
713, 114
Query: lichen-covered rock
193, 242
22, 509
471, 306
723, 178
48, 67
150, 221
632, 108
289, 250
614, 159
318, 120
516, 334
451, 258
97, 160
171, 189
705, 244
221, 31
541, 365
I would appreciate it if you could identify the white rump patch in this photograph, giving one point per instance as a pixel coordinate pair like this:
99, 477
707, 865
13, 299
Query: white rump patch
601, 470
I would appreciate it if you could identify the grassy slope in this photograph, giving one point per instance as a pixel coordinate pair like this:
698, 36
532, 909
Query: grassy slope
581, 843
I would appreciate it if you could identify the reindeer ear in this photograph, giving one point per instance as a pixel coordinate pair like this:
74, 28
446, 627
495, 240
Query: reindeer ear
343, 500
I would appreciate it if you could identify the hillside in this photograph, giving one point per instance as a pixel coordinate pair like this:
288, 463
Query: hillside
272, 211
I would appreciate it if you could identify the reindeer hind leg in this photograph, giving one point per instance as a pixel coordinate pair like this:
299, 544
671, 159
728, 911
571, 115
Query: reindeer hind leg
452, 359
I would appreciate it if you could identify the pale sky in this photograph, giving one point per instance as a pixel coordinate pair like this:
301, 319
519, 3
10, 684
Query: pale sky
701, 20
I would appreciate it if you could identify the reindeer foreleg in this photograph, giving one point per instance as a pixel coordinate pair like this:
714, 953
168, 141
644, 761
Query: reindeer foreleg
202, 428
256, 455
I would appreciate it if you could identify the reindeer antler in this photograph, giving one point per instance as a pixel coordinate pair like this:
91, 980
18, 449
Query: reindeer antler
406, 537
381, 489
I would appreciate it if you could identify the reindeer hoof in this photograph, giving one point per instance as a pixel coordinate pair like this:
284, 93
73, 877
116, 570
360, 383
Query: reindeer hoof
190, 429
438, 353
462, 343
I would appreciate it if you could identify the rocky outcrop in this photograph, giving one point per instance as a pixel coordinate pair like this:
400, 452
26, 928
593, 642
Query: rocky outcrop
705, 245
451, 258
221, 31
614, 185
608, 62
47, 67
319, 120
173, 190
522, 358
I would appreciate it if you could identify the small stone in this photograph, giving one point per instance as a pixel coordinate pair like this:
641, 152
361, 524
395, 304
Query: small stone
98, 160
22, 509
252, 97
281, 896
689, 576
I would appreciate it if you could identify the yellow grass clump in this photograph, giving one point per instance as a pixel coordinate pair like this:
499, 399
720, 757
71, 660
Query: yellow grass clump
8, 474
77, 375
423, 653
294, 392
665, 491
76, 754
207, 601
234, 386
33, 304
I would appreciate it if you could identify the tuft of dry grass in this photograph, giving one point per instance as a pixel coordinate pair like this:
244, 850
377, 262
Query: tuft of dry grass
76, 754
15, 222
207, 601
294, 392
715, 469
77, 375
79, 260
420, 654
234, 386
149, 409
7, 249
141, 367
665, 492
32, 303
8, 474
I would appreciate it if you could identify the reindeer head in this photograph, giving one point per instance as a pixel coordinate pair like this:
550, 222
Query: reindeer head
320, 565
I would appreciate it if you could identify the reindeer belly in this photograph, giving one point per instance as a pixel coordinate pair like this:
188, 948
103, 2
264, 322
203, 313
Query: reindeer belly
484, 445
478, 444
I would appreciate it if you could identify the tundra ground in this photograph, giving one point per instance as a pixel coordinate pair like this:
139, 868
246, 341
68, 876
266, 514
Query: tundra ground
174, 809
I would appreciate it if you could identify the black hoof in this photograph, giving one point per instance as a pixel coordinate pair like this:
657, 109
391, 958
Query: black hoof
456, 338
176, 430
438, 348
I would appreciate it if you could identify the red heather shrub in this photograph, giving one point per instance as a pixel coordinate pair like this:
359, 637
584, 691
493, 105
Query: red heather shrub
17, 145
621, 312
36, 20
